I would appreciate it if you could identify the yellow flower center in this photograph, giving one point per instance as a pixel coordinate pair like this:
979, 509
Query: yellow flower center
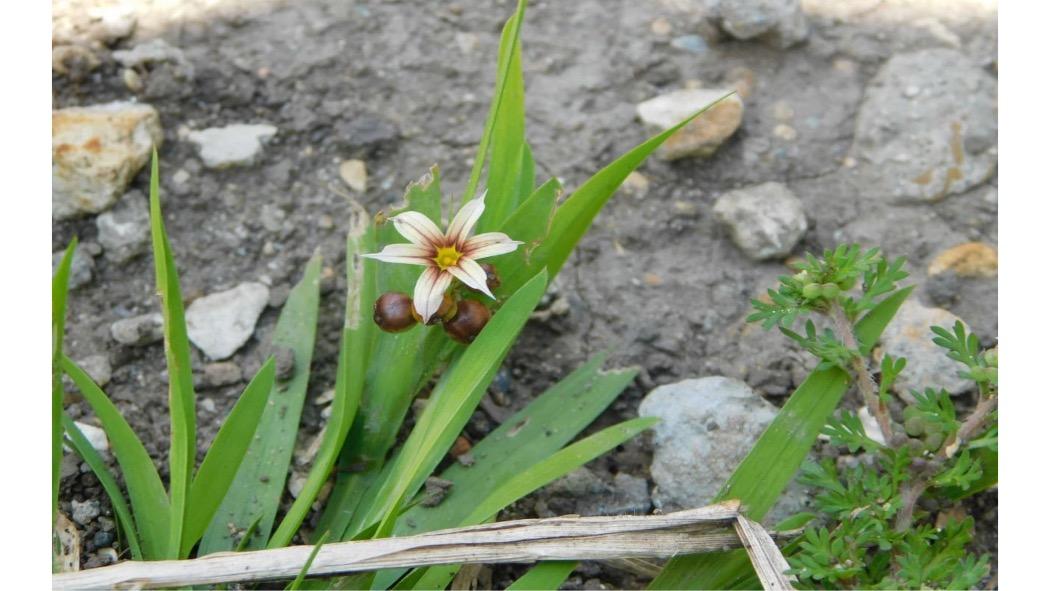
447, 256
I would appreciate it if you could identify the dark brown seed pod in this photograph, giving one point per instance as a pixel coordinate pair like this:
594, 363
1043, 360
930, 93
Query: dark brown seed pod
393, 312
471, 316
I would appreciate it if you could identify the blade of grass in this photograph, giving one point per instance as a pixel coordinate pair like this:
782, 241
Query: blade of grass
181, 399
256, 491
59, 293
109, 484
298, 582
537, 476
545, 575
224, 457
508, 41
145, 490
508, 134
450, 406
771, 464
249, 532
574, 217
354, 354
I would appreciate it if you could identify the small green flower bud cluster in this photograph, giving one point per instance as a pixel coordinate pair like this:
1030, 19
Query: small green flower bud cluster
930, 434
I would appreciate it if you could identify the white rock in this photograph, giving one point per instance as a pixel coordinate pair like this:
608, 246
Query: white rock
123, 231
95, 436
355, 174
138, 331
908, 335
96, 151
703, 135
233, 145
766, 221
707, 427
220, 323
940, 140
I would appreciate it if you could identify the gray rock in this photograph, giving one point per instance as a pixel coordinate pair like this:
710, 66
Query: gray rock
222, 373
220, 323
707, 427
84, 512
927, 128
97, 366
138, 331
81, 269
124, 231
908, 335
778, 22
233, 145
70, 465
96, 151
766, 221
701, 136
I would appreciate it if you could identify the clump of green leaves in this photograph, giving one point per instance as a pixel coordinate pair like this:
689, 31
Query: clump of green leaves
378, 480
874, 532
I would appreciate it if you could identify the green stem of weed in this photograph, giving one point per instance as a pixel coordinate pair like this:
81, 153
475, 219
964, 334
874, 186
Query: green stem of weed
868, 389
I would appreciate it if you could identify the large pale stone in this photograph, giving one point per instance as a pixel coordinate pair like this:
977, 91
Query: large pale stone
233, 145
220, 323
96, 151
701, 136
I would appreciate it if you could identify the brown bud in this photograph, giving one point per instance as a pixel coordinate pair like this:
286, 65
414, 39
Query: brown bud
471, 316
393, 312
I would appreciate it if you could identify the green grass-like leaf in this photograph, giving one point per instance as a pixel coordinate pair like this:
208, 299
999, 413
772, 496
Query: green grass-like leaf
771, 464
224, 457
508, 43
354, 354
508, 133
256, 491
145, 490
109, 484
181, 398
545, 575
59, 293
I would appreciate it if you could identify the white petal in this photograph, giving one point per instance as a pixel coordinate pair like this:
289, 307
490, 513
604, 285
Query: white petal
473, 275
489, 244
417, 228
409, 254
430, 289
464, 222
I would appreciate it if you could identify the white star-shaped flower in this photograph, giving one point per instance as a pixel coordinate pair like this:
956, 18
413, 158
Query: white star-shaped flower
446, 255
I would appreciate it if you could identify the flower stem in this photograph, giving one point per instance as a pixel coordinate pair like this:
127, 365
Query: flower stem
866, 384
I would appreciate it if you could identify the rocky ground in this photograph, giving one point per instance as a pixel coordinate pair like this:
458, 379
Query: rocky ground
864, 120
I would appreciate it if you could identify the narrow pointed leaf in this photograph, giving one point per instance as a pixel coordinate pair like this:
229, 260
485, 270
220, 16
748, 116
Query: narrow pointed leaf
255, 494
59, 293
181, 399
545, 575
145, 490
109, 484
354, 354
224, 457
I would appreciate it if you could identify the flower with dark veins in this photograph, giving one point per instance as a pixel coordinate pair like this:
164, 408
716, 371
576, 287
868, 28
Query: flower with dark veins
448, 255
